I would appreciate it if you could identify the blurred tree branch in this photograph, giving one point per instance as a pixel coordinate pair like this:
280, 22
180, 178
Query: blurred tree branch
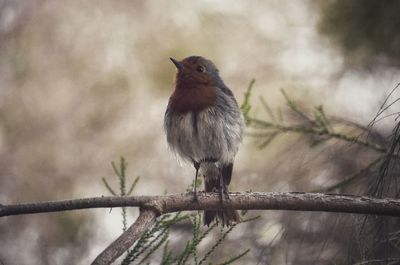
153, 206
319, 128
317, 124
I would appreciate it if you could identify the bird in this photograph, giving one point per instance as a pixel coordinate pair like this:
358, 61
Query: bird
204, 126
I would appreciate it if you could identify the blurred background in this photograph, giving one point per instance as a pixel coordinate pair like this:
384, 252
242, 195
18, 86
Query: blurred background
85, 82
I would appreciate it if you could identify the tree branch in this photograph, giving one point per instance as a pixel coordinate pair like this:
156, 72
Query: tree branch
296, 201
153, 206
145, 220
314, 131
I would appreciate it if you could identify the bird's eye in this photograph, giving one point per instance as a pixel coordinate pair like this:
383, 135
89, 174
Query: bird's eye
200, 69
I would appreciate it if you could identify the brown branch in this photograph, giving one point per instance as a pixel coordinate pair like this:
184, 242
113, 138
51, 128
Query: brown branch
145, 220
297, 201
77, 204
152, 206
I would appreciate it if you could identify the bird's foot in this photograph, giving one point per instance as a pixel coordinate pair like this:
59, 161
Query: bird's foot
194, 198
223, 195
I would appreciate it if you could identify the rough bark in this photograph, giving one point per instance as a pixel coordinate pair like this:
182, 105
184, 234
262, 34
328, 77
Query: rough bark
297, 201
153, 206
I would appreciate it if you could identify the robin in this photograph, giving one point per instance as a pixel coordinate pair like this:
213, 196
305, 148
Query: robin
204, 126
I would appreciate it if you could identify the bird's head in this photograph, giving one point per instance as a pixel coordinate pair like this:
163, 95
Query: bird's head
196, 70
196, 81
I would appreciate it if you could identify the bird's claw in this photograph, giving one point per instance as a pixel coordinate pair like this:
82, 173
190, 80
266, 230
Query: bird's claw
223, 195
195, 198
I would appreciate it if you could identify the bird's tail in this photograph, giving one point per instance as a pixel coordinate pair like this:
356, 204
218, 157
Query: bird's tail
227, 216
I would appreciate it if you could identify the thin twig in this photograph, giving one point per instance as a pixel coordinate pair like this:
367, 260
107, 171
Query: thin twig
380, 111
309, 130
127, 239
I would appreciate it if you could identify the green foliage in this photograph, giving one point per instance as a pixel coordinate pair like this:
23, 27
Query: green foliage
246, 107
363, 29
121, 174
156, 240
315, 124
377, 178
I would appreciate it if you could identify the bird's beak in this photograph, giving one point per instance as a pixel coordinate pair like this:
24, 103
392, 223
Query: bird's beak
178, 64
